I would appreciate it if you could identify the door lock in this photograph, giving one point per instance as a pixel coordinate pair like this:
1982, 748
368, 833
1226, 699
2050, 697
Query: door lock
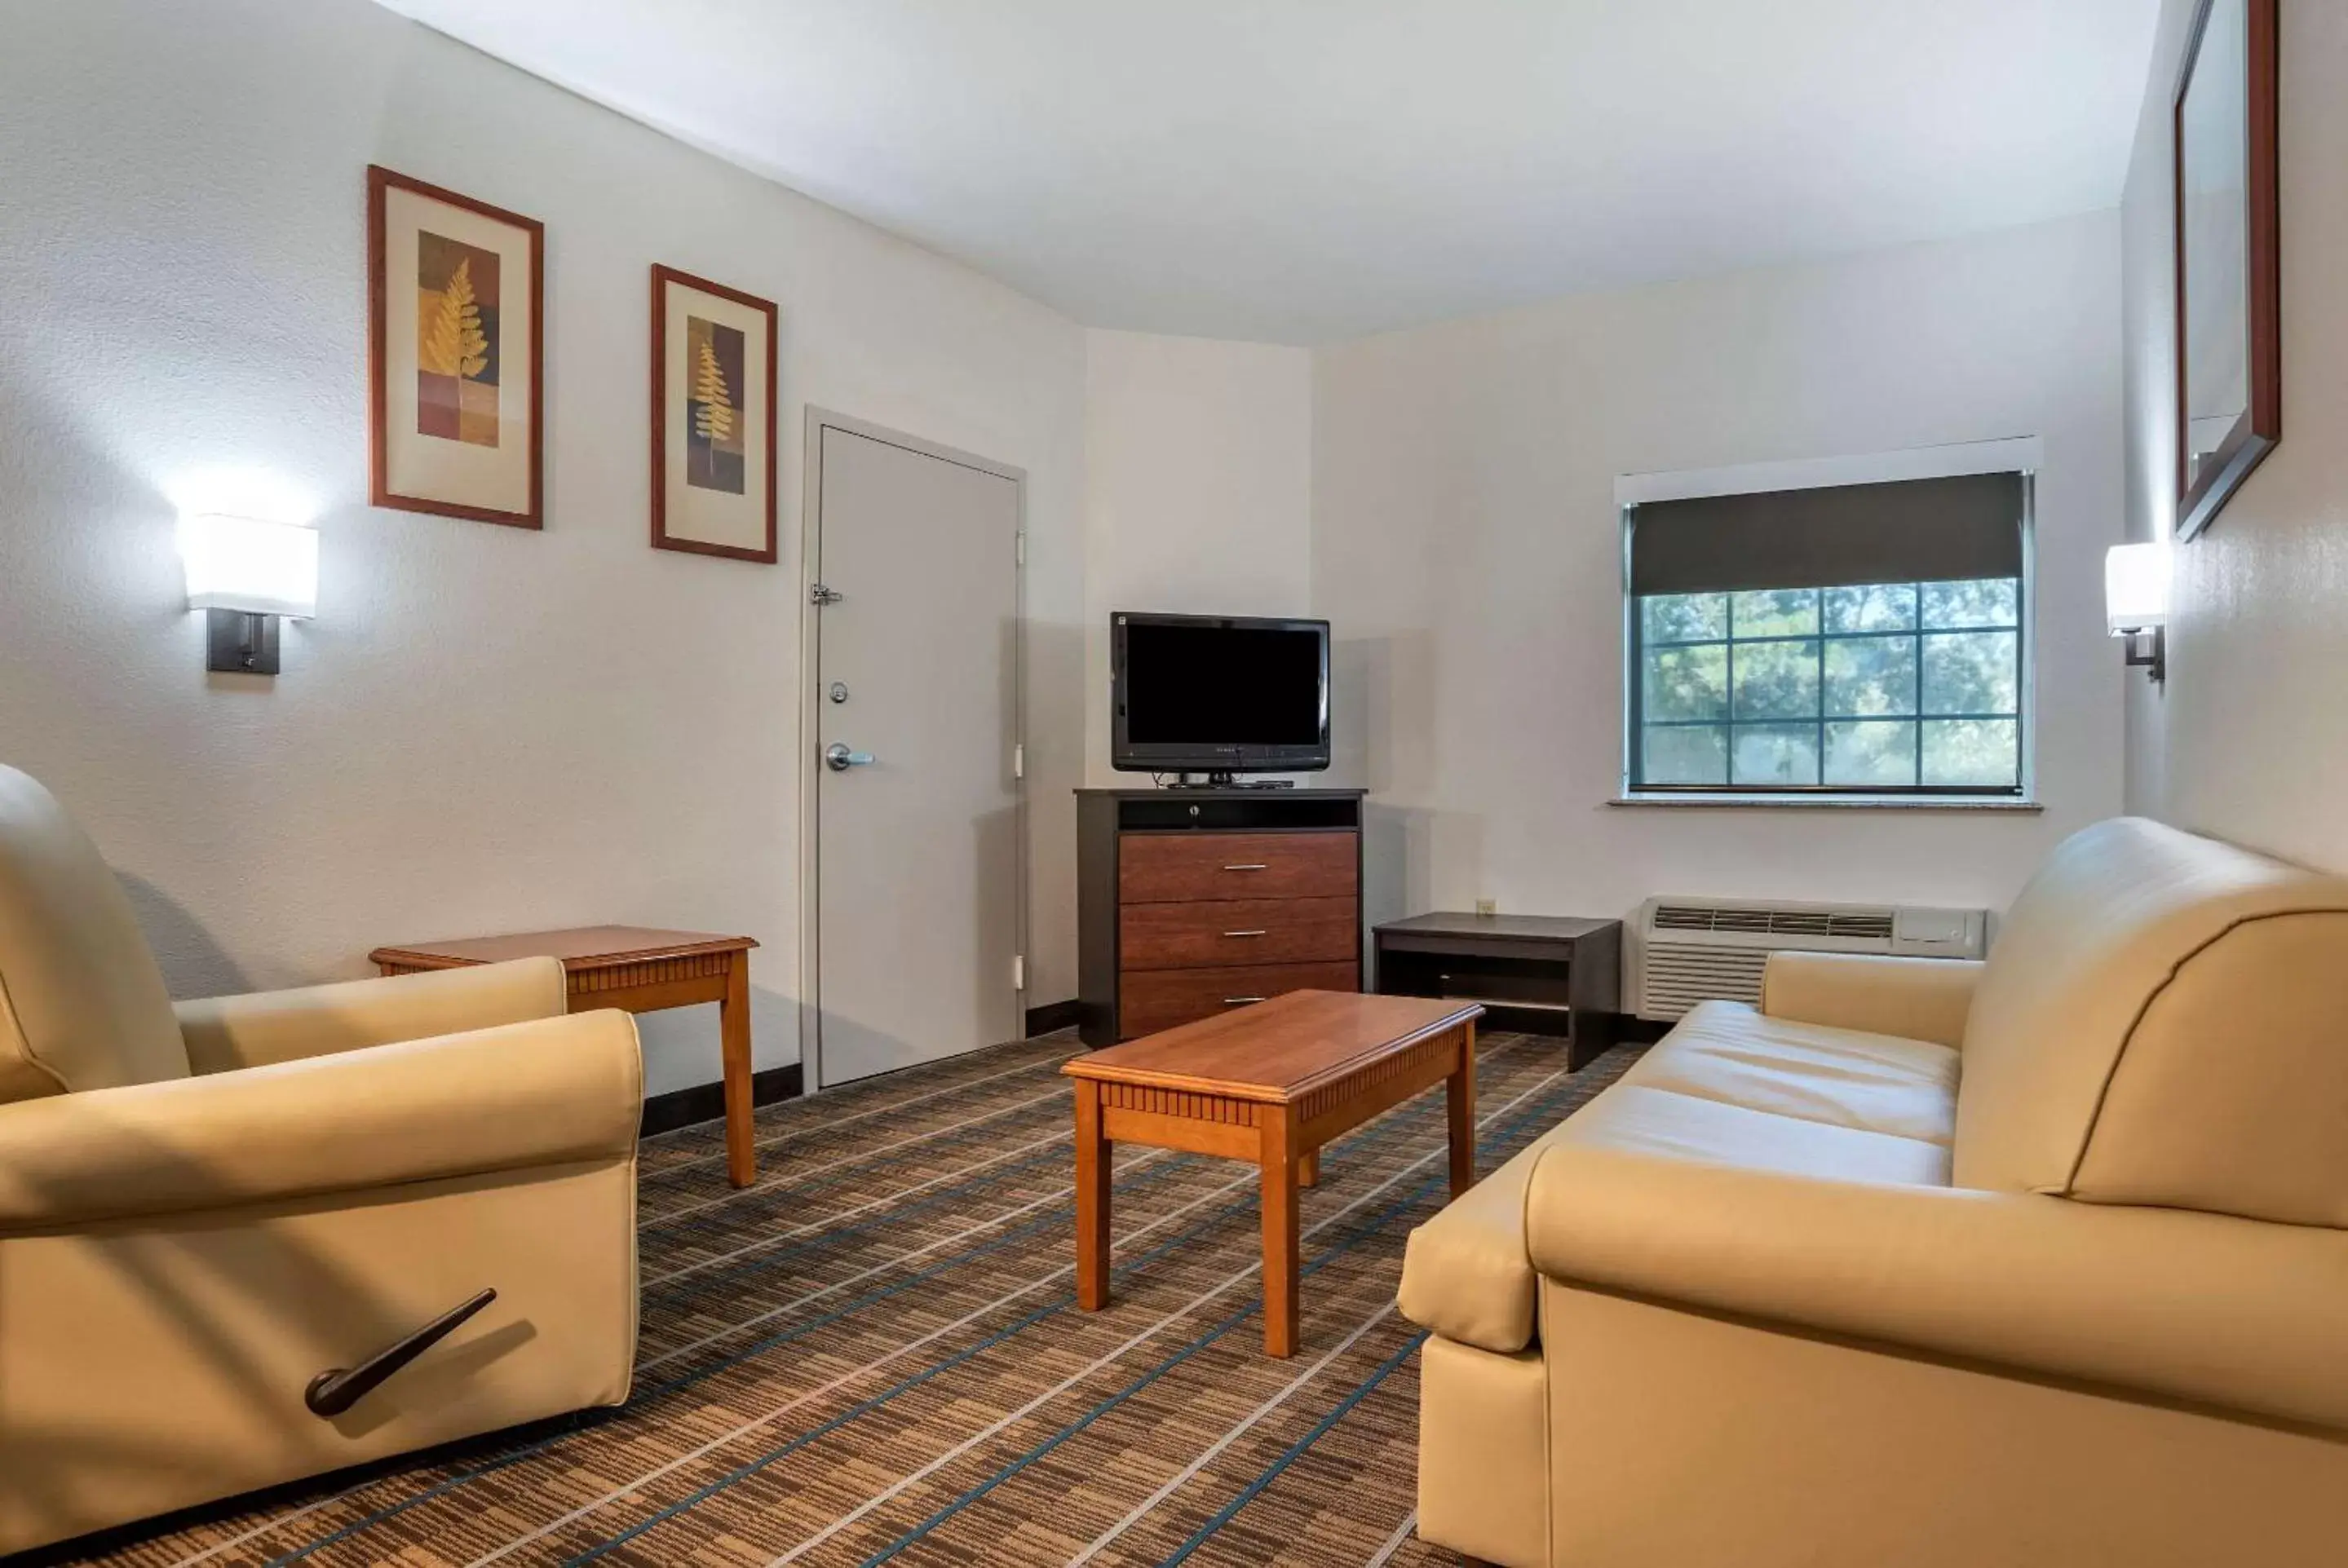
839, 759
839, 690
820, 594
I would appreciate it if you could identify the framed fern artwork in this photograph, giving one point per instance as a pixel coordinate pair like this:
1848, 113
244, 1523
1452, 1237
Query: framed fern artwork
456, 302
712, 418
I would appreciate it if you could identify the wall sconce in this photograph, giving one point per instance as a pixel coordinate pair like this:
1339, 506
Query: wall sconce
244, 573
2135, 603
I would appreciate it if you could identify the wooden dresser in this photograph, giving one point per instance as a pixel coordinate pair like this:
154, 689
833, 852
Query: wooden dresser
1191, 902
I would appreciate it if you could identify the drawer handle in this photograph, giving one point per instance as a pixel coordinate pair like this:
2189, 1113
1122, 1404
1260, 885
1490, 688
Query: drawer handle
1243, 933
1249, 865
1242, 1001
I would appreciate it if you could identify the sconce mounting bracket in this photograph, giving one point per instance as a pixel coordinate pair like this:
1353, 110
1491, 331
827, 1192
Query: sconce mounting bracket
241, 642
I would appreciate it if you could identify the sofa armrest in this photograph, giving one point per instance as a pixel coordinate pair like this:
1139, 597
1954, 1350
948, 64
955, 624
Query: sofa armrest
1465, 1273
551, 1092
224, 1033
1915, 999
2202, 1308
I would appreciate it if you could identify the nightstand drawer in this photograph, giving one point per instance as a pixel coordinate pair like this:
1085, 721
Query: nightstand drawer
1237, 931
1166, 867
1154, 1000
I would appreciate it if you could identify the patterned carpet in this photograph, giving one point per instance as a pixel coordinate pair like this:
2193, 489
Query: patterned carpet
873, 1355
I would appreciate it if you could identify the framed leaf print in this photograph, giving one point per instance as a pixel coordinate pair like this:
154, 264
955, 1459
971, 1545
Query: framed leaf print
712, 418
456, 302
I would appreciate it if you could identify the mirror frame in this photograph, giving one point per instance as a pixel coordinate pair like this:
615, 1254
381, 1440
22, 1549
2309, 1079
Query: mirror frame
2259, 426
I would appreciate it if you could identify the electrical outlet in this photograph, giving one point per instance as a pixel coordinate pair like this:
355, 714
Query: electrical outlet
1487, 905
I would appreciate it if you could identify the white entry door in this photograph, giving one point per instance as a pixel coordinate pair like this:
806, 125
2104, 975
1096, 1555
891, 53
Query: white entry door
920, 840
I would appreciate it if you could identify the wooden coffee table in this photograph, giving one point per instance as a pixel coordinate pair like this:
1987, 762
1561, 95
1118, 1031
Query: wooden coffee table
637, 970
1269, 1083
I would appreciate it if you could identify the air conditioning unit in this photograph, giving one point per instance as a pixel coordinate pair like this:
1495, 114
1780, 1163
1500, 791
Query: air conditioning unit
1690, 951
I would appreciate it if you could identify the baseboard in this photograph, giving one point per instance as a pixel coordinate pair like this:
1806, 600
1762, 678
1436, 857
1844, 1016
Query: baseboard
1054, 1015
706, 1101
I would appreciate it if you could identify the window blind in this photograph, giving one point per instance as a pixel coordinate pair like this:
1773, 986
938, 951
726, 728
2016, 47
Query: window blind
1839, 535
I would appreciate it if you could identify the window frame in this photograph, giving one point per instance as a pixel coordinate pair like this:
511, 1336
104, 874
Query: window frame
2023, 793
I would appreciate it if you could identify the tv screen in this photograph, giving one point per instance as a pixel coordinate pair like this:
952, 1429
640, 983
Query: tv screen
1219, 693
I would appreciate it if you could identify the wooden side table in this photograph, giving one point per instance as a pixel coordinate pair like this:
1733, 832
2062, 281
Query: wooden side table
635, 969
1545, 973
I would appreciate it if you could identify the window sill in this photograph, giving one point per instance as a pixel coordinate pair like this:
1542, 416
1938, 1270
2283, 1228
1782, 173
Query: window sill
1833, 802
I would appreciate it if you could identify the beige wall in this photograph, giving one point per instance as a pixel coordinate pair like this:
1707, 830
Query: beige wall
1467, 545
2249, 740
491, 730
485, 729
1197, 491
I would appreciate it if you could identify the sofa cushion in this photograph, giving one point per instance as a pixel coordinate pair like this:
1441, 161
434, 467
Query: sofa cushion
1842, 1077
2233, 1094
2164, 1019
82, 1005
1466, 1274
1647, 1120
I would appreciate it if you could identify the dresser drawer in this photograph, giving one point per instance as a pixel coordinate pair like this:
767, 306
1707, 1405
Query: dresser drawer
1152, 1000
1164, 868
1225, 931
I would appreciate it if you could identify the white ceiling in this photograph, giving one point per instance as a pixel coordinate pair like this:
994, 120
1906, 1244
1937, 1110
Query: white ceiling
1298, 171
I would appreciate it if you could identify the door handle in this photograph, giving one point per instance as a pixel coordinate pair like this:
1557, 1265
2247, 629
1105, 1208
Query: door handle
839, 759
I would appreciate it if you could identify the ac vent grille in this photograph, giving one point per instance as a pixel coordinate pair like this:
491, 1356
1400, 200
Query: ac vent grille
1680, 976
1759, 920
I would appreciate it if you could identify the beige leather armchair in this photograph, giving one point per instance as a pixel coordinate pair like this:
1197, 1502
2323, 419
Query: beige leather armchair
2036, 1262
202, 1208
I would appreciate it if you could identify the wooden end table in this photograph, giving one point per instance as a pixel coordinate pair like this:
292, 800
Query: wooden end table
636, 970
1545, 973
1270, 1083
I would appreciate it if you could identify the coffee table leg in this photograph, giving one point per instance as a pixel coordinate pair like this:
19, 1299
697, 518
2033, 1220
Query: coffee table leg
734, 1038
1092, 1200
1308, 1169
1459, 1096
1278, 1159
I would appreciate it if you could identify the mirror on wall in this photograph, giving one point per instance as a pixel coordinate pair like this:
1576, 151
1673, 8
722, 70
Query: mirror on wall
2229, 356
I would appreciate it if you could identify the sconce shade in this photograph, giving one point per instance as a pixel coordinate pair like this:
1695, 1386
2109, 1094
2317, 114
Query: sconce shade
2135, 588
243, 563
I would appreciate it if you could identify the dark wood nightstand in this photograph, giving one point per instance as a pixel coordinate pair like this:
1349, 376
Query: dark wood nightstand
1545, 973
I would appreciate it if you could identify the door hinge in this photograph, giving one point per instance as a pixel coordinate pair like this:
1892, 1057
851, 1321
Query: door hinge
818, 593
1019, 761
1020, 548
1018, 972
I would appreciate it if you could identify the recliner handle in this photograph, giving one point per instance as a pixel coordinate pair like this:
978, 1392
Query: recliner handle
337, 1388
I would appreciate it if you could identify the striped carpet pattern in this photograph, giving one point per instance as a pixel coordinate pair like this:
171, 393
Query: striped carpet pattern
873, 1355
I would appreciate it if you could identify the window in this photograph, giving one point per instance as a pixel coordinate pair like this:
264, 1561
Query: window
1771, 652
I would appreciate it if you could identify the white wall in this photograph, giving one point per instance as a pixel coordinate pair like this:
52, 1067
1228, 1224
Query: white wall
485, 729
1198, 490
2248, 739
1466, 547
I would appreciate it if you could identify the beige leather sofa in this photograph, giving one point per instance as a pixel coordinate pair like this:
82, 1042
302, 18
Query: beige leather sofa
203, 1208
2040, 1261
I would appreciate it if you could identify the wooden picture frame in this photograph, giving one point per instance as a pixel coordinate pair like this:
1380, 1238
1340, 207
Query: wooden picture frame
714, 452
456, 372
2226, 198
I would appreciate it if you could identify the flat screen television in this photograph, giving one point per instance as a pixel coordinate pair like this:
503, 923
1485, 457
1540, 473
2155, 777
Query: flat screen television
1219, 693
